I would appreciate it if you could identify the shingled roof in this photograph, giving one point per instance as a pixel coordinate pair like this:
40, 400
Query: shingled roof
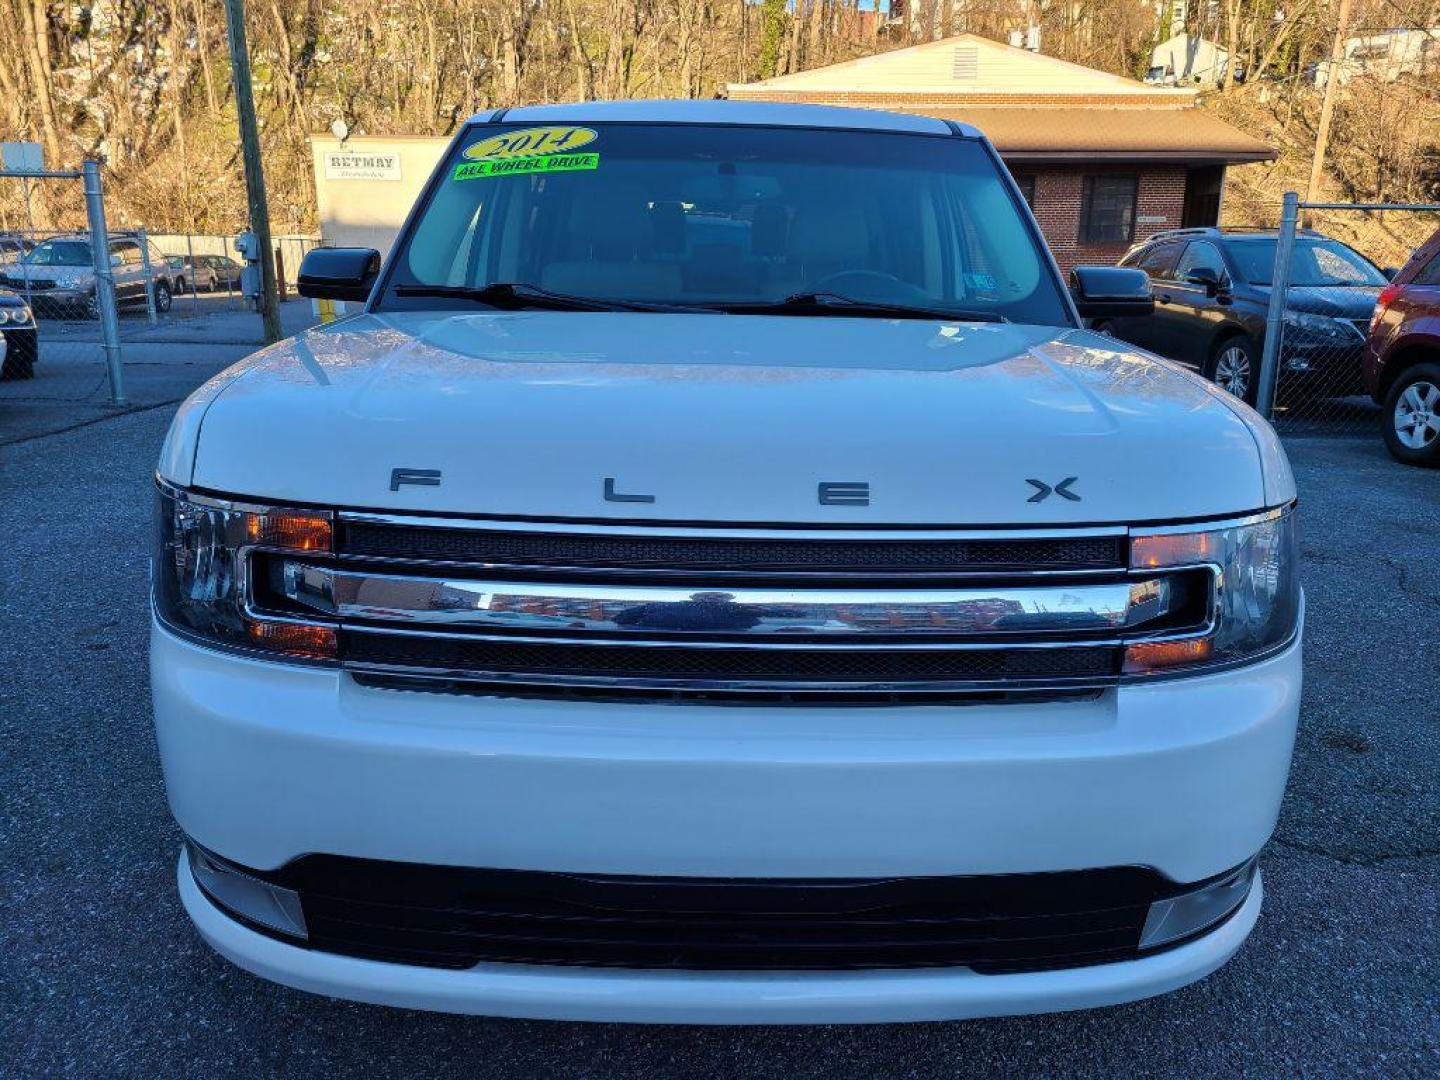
1033, 107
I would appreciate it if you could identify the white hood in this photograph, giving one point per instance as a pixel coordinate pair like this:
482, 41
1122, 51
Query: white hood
724, 418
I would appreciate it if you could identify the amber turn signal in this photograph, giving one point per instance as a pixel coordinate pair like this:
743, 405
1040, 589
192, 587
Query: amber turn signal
291, 531
1174, 549
1144, 657
296, 639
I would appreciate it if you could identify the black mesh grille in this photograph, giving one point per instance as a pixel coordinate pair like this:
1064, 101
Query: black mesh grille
18, 282
729, 554
455, 918
829, 697
728, 665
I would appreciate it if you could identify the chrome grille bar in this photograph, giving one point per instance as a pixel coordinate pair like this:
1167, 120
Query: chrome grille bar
699, 613
659, 612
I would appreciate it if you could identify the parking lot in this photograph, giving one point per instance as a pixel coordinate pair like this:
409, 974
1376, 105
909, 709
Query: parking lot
105, 977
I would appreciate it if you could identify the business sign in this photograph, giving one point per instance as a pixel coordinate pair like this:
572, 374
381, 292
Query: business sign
362, 165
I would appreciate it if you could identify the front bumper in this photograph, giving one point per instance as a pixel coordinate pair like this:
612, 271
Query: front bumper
715, 997
265, 763
21, 340
58, 297
1322, 366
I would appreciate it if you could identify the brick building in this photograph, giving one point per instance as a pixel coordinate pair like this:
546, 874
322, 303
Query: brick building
1103, 160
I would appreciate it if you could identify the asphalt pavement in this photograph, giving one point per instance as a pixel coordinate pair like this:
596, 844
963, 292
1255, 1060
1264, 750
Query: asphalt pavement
101, 974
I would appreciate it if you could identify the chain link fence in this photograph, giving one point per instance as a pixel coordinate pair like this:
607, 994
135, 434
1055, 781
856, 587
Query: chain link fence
1331, 263
156, 275
74, 265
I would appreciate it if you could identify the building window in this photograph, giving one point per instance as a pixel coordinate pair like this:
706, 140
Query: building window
1107, 209
1027, 188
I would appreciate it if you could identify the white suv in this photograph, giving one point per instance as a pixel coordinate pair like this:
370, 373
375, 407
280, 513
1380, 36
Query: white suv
718, 579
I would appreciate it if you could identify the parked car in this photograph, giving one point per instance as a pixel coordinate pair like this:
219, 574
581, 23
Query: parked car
1402, 358
19, 337
203, 272
13, 248
1212, 298
61, 275
183, 274
224, 270
480, 689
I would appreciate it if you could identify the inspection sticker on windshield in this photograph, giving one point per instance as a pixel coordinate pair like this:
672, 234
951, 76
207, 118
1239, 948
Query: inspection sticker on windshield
530, 150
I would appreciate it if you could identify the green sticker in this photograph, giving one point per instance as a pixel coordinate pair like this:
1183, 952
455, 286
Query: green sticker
545, 163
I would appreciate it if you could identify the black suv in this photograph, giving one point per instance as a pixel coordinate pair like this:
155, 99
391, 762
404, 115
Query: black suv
1212, 294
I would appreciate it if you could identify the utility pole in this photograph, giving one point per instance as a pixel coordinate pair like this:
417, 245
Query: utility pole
1327, 105
254, 173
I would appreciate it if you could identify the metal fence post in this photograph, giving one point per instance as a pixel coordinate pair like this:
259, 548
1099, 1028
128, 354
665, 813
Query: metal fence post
104, 280
149, 276
25, 262
1275, 316
194, 275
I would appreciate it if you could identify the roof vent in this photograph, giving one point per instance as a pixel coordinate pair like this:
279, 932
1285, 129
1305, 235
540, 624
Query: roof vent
966, 64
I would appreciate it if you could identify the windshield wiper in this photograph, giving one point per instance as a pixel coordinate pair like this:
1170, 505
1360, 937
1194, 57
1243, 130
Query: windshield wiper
828, 303
515, 295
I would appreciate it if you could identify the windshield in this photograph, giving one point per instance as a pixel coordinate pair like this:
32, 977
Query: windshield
60, 253
728, 218
1315, 263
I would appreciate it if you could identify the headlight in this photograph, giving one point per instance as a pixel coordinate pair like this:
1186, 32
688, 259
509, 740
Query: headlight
201, 577
1256, 598
14, 316
1320, 325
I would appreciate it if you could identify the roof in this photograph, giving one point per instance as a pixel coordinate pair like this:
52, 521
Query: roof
758, 113
1056, 134
963, 64
1032, 107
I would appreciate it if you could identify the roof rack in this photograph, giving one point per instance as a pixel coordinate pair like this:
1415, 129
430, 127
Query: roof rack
1209, 230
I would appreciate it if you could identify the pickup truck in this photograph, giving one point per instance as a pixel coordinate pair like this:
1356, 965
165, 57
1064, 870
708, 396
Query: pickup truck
715, 577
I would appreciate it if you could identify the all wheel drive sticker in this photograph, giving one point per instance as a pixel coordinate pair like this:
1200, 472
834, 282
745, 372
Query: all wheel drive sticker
529, 150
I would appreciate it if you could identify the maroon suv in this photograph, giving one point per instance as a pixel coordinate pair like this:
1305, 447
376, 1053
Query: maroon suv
1402, 358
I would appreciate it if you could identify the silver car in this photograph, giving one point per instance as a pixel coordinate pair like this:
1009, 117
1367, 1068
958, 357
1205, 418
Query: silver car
207, 273
60, 275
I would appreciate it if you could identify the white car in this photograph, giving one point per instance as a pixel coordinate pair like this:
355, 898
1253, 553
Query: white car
475, 668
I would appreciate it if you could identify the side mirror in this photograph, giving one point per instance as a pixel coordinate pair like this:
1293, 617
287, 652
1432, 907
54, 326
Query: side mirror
339, 273
1111, 291
1205, 276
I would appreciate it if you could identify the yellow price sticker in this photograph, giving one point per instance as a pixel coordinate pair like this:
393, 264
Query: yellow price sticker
531, 142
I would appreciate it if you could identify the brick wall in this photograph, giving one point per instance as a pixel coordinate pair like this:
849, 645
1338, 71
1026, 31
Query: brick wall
1058, 192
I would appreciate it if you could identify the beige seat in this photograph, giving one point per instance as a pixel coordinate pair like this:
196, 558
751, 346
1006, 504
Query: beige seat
612, 251
827, 236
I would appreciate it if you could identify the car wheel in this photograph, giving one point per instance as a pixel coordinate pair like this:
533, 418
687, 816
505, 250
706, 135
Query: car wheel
162, 297
180, 285
90, 306
1412, 416
1235, 366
